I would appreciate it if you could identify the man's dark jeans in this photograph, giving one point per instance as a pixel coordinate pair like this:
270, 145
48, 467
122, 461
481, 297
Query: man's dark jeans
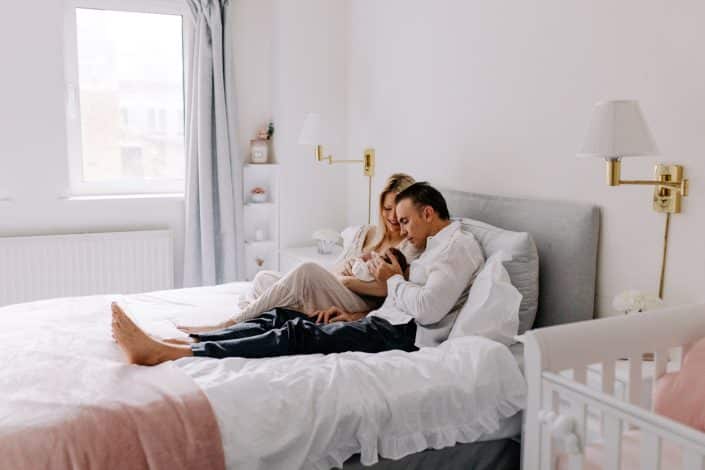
282, 332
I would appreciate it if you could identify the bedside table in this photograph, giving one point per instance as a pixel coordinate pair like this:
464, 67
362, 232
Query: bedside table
290, 258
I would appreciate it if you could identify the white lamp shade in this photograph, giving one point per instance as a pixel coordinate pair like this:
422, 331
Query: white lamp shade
311, 132
618, 129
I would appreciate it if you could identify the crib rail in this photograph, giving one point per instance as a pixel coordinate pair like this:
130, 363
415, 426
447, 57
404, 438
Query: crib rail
565, 404
655, 429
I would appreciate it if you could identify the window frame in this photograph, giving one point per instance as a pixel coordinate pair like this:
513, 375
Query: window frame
124, 186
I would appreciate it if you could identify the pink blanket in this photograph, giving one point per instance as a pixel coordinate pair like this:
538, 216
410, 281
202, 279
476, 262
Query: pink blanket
68, 400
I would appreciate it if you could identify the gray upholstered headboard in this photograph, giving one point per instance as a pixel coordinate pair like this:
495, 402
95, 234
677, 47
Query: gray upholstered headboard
566, 236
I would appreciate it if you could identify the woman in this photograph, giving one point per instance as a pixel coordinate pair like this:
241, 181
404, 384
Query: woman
310, 288
367, 239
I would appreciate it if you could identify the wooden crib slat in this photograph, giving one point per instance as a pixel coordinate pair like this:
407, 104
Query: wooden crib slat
550, 403
579, 411
608, 372
608, 377
660, 368
613, 443
676, 355
650, 451
692, 460
635, 380
576, 462
660, 362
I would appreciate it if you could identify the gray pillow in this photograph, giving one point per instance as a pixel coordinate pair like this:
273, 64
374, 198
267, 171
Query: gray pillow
523, 269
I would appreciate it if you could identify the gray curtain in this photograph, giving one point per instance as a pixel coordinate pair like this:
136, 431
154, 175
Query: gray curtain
213, 240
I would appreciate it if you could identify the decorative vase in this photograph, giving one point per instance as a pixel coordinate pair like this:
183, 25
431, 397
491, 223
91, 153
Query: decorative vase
259, 151
258, 197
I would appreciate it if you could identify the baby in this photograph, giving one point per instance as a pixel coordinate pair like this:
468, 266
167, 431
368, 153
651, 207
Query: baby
361, 270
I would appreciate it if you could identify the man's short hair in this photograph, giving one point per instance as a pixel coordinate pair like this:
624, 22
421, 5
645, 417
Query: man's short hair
423, 194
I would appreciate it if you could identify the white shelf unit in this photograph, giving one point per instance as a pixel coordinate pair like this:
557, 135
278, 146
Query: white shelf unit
261, 254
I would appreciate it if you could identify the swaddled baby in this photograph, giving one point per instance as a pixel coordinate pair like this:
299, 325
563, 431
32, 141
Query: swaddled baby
361, 269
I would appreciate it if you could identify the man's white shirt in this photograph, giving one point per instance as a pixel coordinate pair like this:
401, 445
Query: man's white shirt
437, 288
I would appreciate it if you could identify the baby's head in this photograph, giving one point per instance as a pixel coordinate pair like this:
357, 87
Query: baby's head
361, 269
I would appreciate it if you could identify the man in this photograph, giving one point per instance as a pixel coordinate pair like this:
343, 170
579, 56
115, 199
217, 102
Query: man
416, 313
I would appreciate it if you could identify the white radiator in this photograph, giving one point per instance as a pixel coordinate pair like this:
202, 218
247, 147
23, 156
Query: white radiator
42, 267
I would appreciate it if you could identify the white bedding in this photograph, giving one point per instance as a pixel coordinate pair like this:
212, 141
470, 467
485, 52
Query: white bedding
316, 411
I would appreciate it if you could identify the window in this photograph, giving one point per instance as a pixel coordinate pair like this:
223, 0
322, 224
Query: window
125, 70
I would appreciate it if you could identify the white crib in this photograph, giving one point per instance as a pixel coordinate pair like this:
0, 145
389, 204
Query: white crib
563, 404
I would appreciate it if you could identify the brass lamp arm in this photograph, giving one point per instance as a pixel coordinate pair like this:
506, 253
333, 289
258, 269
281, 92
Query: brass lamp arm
321, 158
331, 160
368, 169
681, 186
368, 160
675, 180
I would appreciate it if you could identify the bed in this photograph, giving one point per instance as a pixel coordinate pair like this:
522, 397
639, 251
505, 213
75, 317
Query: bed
566, 235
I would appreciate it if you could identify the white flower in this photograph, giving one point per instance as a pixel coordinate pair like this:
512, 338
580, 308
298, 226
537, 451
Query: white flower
326, 235
634, 301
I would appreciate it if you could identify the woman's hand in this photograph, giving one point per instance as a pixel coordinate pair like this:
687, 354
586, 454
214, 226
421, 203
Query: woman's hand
335, 314
348, 316
347, 267
347, 281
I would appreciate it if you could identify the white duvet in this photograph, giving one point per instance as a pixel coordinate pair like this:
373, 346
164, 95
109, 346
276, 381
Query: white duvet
316, 411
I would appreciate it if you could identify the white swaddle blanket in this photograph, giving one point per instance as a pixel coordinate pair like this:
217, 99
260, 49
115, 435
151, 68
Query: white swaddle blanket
361, 270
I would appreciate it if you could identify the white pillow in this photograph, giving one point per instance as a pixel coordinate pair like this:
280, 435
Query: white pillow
523, 267
348, 234
492, 308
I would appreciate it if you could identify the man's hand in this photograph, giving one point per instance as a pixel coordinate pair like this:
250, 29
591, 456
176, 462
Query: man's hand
384, 270
335, 314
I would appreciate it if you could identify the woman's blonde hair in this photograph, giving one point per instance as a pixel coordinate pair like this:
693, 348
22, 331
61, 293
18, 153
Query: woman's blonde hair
396, 183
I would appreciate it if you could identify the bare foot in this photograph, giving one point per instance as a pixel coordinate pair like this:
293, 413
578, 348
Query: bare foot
137, 345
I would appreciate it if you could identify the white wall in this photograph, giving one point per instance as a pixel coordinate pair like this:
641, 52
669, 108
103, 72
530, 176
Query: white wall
495, 97
253, 31
309, 74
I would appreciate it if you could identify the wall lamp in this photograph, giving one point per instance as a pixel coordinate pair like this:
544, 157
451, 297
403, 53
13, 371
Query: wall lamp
311, 134
618, 129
